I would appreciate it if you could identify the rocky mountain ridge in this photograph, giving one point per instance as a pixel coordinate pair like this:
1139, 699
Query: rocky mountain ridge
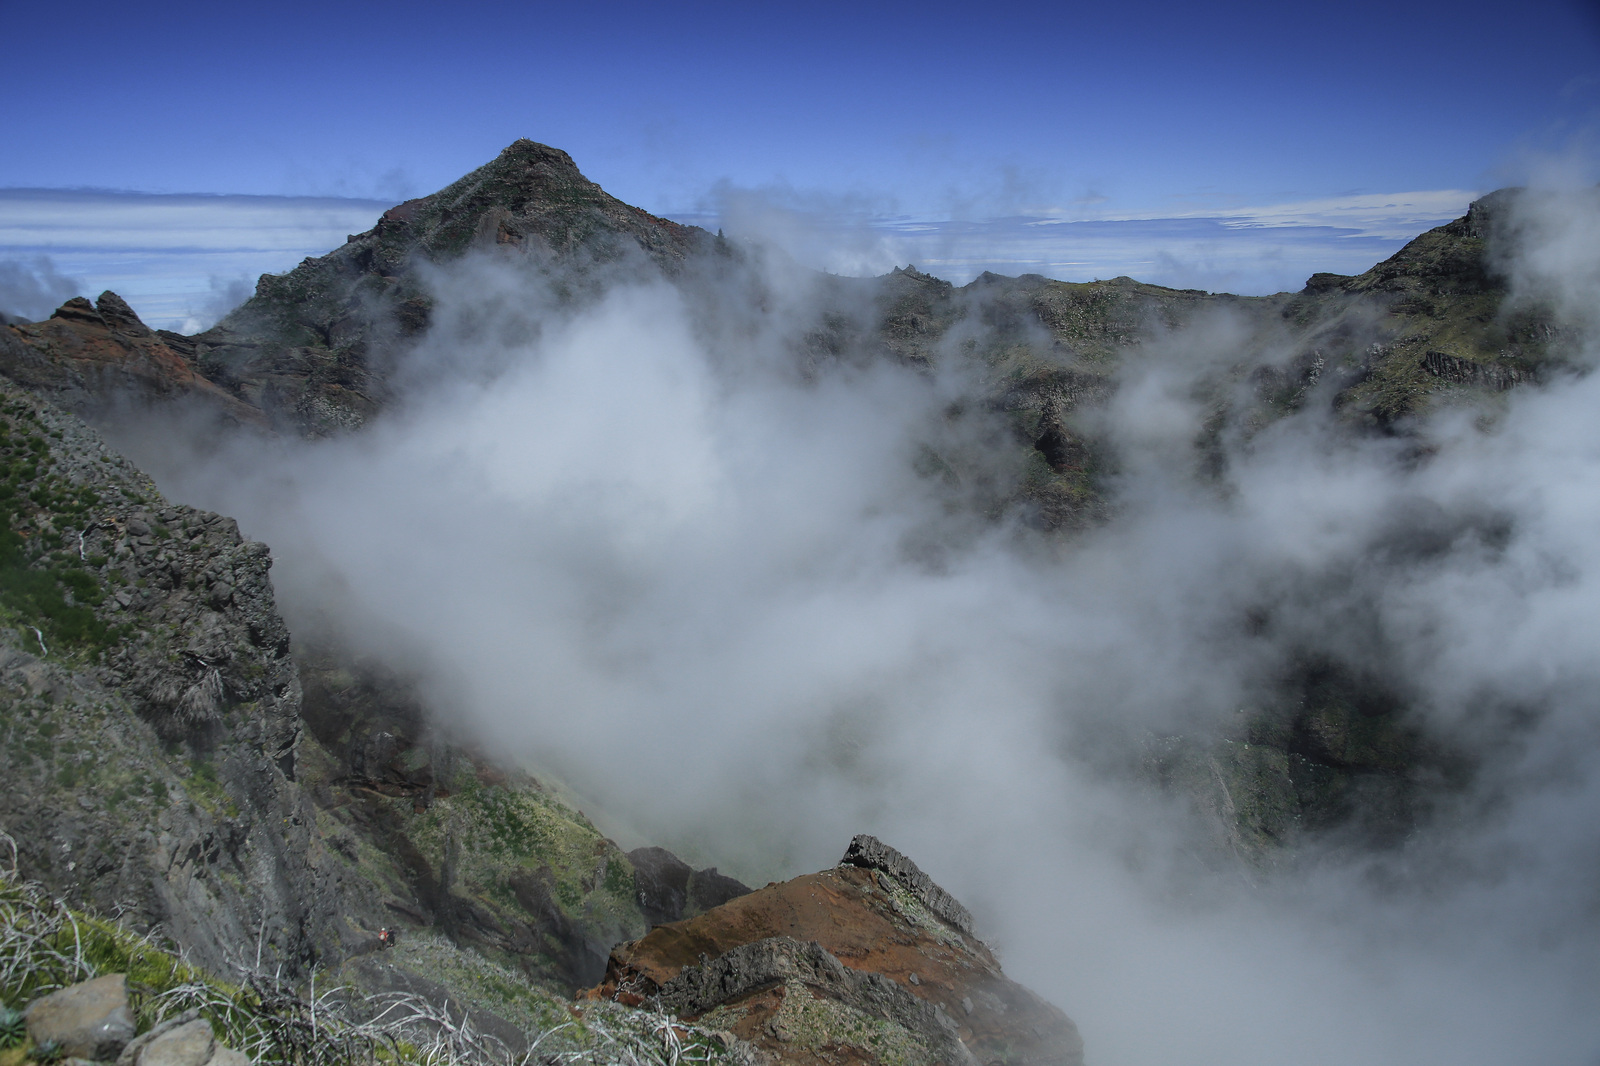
152, 709
238, 790
313, 350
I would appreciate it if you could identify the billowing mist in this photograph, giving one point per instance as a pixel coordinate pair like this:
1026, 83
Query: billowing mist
640, 541
30, 289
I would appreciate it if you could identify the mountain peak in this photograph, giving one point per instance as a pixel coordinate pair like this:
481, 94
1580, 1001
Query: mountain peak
335, 310
523, 148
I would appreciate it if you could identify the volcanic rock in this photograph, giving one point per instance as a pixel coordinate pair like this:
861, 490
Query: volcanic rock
189, 1044
669, 888
819, 969
870, 853
91, 357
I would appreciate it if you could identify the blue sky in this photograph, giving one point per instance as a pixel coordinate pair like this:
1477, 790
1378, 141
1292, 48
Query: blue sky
883, 123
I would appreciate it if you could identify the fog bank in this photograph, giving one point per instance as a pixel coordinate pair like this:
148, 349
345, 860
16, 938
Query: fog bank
640, 541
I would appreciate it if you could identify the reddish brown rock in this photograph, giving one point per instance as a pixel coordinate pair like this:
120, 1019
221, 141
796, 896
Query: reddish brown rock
849, 965
90, 357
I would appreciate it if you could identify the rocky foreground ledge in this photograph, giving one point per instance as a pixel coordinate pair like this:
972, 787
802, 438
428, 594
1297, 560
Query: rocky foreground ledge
92, 1023
870, 962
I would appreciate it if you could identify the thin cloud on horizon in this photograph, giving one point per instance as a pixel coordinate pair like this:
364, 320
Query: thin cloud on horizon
171, 255
1248, 250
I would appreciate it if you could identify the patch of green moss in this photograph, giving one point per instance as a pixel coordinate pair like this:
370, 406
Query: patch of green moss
815, 1023
206, 791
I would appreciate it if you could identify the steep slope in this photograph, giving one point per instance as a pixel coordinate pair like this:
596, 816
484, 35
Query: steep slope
477, 851
162, 762
1429, 324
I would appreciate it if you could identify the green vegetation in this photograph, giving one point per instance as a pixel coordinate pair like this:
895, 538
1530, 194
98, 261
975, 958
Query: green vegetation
502, 839
13, 1030
44, 590
56, 600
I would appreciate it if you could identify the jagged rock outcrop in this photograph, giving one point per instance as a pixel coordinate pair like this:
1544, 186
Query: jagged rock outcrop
92, 358
870, 853
869, 962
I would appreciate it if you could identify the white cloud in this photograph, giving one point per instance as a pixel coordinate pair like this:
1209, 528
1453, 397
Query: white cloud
91, 220
1396, 216
32, 287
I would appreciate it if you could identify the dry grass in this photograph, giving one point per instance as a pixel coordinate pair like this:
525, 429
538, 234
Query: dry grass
45, 946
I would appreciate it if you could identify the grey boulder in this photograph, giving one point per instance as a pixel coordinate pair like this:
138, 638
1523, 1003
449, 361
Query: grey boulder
91, 1020
185, 1040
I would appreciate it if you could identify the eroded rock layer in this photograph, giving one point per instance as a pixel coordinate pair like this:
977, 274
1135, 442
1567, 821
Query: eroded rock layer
849, 965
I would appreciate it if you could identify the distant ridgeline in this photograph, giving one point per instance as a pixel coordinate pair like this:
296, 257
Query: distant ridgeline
169, 750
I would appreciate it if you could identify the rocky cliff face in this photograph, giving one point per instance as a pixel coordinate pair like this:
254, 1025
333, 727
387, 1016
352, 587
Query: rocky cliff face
151, 709
94, 358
